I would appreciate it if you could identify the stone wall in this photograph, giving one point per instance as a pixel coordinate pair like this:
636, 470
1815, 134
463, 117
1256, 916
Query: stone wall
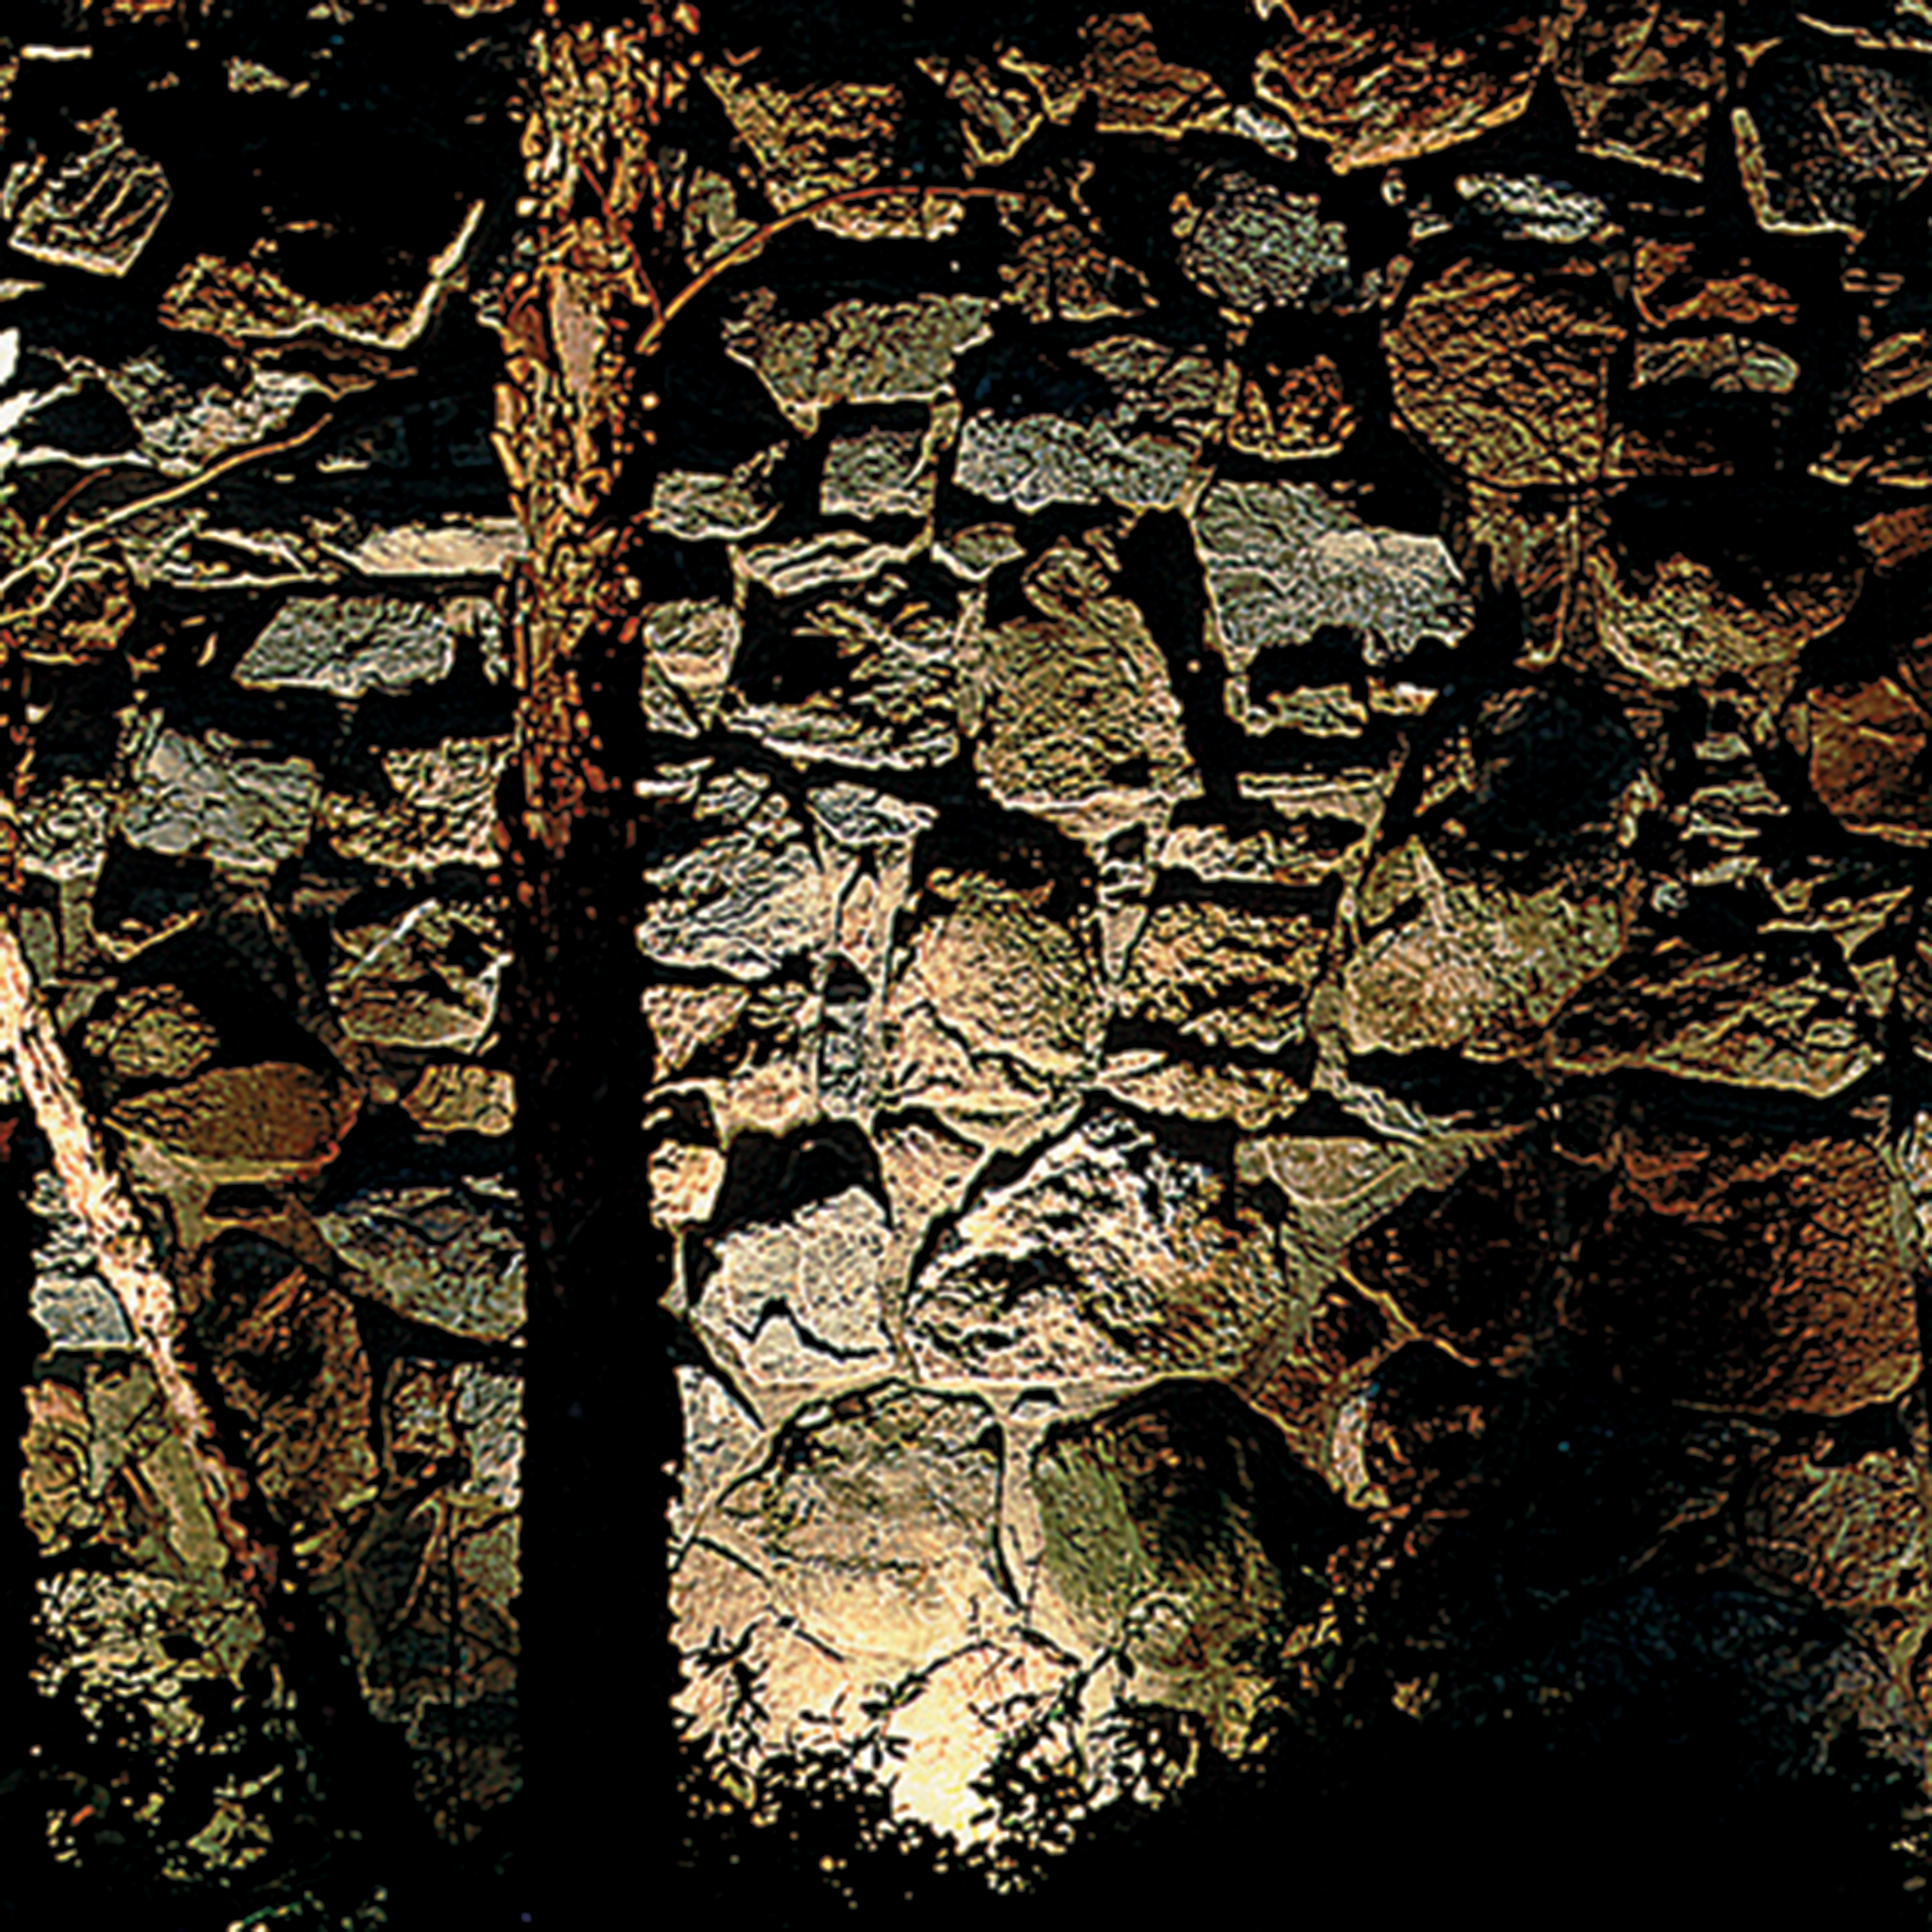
255, 538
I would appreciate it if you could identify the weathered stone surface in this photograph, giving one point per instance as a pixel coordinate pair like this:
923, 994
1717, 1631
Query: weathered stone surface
1672, 283
1515, 888
1852, 1535
151, 1033
1286, 561
688, 649
429, 977
456, 547
805, 1300
1154, 1082
1132, 88
888, 470
1506, 376
1228, 975
1722, 1262
1466, 1265
271, 1123
1379, 87
1881, 426
1252, 246
1332, 1185
856, 352
1475, 966
183, 429
72, 1302
1033, 460
1283, 415
1825, 145
99, 209
444, 811
1678, 623
1532, 208
1112, 1256
349, 646
1060, 270
1154, 1515
1317, 1388
1080, 725
811, 143
741, 890
1640, 78
248, 302
1867, 745
720, 1441
802, 563
208, 797
1000, 112
1777, 1018
692, 505
457, 1096
873, 1524
286, 1357
450, 1257
64, 832
995, 1011
1726, 365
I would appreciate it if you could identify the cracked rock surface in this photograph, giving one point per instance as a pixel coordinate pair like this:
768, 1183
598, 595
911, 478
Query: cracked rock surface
1366, 1091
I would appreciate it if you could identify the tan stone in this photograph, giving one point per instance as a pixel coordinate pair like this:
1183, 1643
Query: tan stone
271, 1123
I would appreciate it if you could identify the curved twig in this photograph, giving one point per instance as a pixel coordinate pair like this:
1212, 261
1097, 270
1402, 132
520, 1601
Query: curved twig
746, 250
174, 494
100, 1202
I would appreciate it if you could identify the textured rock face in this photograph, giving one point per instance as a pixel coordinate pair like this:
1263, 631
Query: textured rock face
1348, 1027
1228, 706
261, 1156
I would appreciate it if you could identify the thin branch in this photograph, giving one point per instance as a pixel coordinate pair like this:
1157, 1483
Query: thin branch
174, 493
120, 1246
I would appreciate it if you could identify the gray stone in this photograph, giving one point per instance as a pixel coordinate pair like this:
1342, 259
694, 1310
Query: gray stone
719, 1443
856, 352
429, 977
1176, 391
63, 833
489, 1417
71, 1299
857, 816
689, 647
458, 547
1285, 561
882, 471
695, 506
207, 798
1532, 208
182, 429
1033, 461
349, 646
976, 552
443, 813
804, 1299
875, 1523
1252, 245
450, 1257
98, 211
741, 891
895, 703
1113, 1257
830, 557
